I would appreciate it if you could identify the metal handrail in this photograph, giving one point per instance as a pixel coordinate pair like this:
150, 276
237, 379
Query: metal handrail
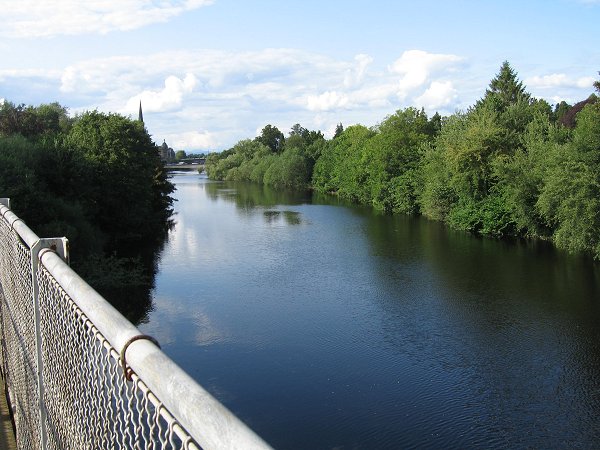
207, 422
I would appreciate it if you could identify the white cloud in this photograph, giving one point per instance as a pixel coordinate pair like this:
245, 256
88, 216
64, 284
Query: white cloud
169, 98
272, 75
380, 94
208, 99
417, 67
356, 74
555, 99
559, 80
326, 101
30, 73
278, 77
45, 18
438, 95
193, 140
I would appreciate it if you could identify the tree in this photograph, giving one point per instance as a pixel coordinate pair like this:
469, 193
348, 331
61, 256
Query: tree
248, 149
435, 125
30, 121
437, 196
570, 199
393, 156
560, 109
339, 129
53, 118
180, 154
569, 119
522, 177
307, 142
505, 89
290, 170
272, 138
298, 137
99, 183
128, 188
8, 119
299, 130
341, 167
460, 176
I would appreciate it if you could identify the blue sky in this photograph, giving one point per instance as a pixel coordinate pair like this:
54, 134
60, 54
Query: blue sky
212, 72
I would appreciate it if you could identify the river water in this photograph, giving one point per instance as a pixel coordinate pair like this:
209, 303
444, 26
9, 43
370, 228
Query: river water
324, 325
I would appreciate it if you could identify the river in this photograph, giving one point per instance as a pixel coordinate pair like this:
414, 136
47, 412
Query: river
324, 325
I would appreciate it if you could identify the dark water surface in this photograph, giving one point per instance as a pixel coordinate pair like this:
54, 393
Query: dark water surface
327, 326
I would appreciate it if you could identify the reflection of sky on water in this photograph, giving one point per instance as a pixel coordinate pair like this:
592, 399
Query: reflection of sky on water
374, 331
200, 248
178, 323
210, 244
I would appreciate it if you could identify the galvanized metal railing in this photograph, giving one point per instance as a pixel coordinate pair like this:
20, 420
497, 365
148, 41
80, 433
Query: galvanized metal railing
81, 376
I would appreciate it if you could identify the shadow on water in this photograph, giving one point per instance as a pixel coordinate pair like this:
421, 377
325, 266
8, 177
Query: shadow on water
135, 301
512, 326
126, 278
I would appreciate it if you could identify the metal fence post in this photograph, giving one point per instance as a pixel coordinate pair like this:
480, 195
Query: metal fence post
61, 247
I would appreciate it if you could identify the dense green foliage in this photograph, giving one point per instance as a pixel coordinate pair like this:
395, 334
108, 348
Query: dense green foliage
96, 178
270, 159
511, 165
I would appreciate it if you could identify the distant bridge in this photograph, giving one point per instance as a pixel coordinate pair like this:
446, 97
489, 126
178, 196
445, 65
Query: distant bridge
184, 166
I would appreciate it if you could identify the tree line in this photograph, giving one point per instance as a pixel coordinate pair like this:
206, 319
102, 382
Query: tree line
96, 178
509, 166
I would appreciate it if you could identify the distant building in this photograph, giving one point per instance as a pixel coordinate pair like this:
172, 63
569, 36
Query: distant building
140, 115
167, 154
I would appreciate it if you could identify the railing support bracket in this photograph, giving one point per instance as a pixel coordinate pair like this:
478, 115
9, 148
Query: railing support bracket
61, 247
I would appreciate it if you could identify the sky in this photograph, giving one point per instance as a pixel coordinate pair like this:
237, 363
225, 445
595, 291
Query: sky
212, 72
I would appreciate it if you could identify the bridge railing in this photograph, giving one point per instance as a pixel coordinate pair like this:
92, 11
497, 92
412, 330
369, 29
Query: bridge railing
81, 376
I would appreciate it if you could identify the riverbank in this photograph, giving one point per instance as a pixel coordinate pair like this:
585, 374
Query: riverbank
509, 166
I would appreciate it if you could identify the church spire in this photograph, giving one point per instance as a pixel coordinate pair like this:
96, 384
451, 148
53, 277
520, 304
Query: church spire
140, 115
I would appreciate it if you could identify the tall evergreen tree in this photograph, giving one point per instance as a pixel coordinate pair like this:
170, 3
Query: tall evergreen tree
505, 89
339, 129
